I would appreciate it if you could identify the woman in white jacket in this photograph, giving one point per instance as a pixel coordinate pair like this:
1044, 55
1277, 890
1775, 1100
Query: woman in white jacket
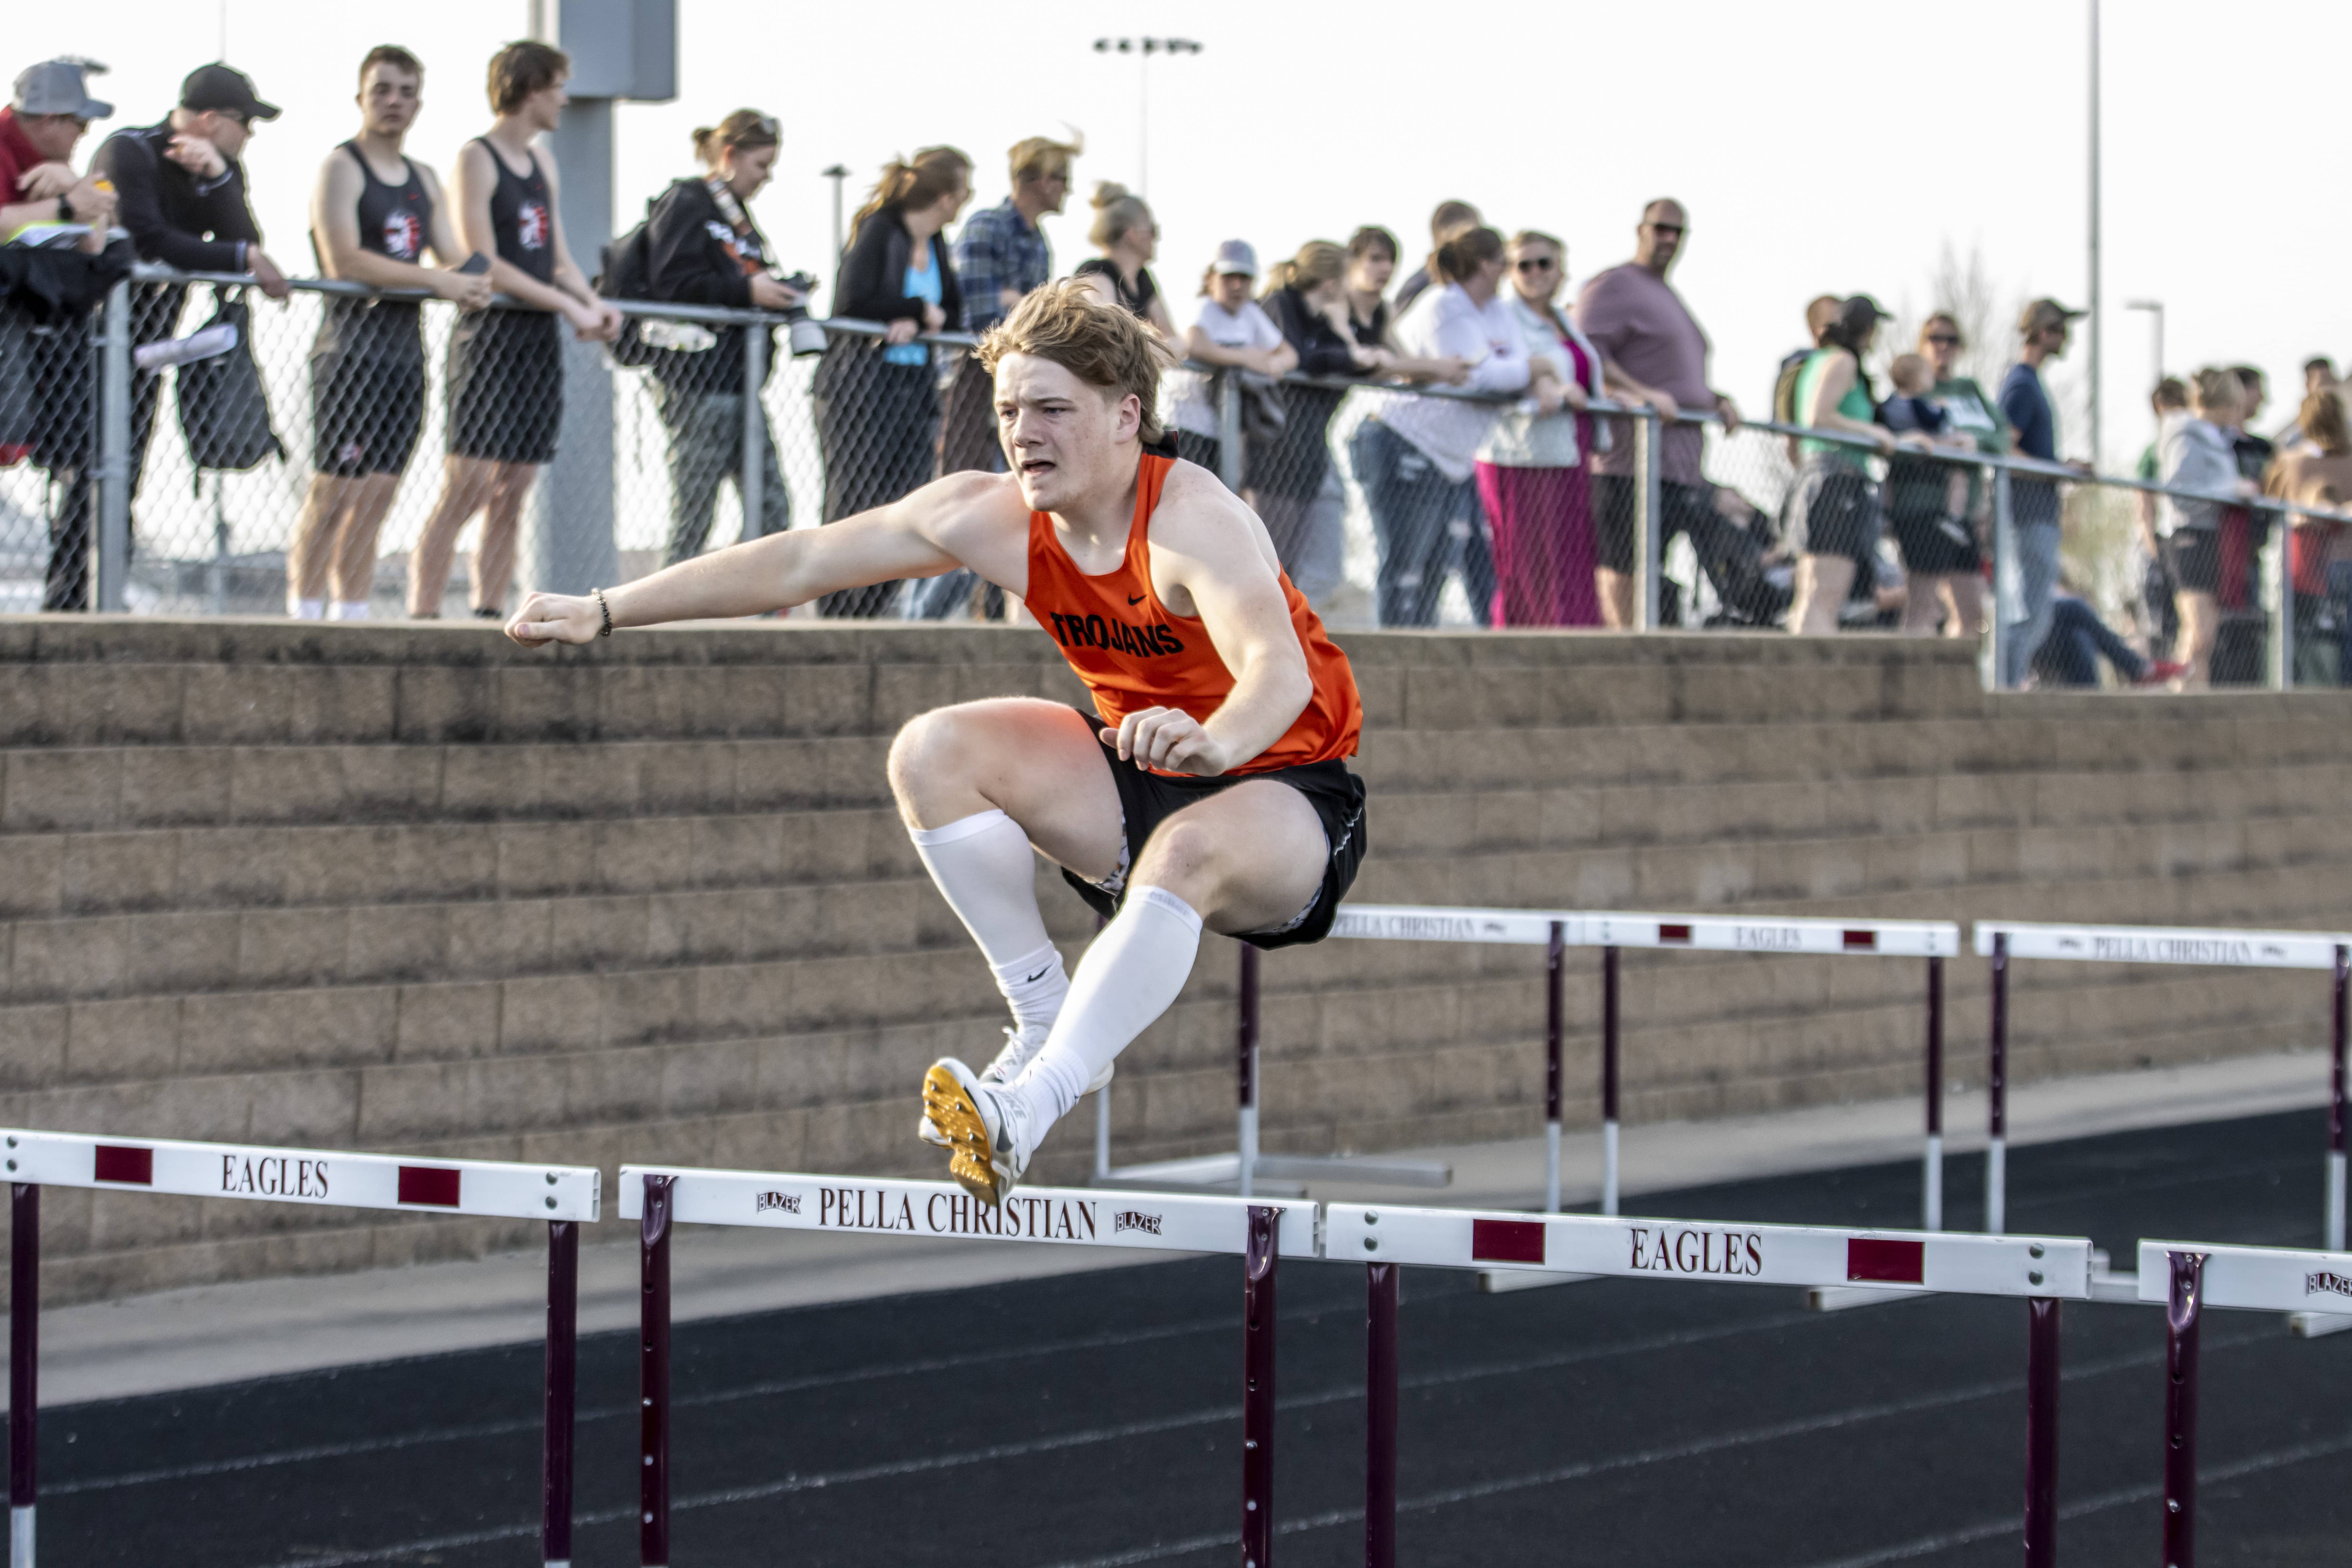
1414, 455
2197, 453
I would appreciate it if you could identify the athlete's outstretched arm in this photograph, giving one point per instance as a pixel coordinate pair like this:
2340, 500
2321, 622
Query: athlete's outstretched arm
899, 540
1218, 553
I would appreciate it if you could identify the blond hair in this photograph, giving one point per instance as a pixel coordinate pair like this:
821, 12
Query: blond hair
746, 128
2218, 389
1068, 324
1116, 210
918, 181
1909, 371
1042, 157
1318, 261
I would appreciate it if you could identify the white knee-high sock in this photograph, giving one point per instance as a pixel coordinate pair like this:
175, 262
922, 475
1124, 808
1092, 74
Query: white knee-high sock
985, 869
1127, 979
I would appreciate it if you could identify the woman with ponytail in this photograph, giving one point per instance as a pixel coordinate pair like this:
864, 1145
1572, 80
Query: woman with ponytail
877, 398
700, 396
1298, 490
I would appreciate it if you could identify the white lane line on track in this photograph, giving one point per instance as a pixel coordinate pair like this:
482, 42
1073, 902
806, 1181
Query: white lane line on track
1926, 1545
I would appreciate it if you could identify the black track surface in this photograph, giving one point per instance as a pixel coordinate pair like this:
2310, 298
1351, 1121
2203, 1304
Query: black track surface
1094, 1419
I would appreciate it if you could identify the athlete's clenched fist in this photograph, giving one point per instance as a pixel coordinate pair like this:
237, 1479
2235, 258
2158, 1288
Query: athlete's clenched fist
556, 617
1168, 739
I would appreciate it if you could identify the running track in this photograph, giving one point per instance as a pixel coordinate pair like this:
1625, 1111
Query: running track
1092, 1420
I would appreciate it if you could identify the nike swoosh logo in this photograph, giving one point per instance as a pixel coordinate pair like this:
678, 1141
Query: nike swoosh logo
1137, 600
1034, 976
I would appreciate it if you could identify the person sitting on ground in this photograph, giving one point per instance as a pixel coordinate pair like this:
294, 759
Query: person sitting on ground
373, 213
1231, 330
2070, 655
2200, 456
1206, 789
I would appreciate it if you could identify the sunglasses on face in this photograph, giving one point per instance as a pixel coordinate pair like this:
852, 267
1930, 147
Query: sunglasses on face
1536, 264
1944, 340
1662, 229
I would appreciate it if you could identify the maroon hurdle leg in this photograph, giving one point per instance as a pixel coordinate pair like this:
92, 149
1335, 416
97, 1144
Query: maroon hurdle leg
2041, 1433
24, 1366
1380, 1413
1608, 1081
652, 1376
1257, 1386
2332, 1230
562, 1380
1554, 1021
1997, 1095
1931, 1203
1245, 1055
2181, 1315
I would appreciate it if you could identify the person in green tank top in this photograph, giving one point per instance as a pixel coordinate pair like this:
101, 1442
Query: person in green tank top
1836, 516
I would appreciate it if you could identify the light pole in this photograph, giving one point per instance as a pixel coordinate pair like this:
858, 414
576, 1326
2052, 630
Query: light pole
1144, 48
2155, 308
837, 174
2096, 358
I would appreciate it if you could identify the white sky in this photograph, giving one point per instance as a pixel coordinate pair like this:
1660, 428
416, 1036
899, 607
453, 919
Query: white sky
1963, 124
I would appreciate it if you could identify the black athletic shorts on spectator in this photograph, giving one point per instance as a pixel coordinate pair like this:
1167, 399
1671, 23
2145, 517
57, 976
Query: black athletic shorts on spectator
505, 367
367, 365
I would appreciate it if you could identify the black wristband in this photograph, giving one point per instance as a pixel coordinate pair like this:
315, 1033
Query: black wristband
65, 209
607, 610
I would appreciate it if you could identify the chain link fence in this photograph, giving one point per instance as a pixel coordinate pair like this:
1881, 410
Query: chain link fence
391, 455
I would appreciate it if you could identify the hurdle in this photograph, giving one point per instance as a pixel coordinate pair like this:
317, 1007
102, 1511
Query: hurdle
2001, 941
565, 1197
2044, 1271
661, 1197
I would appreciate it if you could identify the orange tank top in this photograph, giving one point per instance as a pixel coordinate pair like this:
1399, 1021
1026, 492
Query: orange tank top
1133, 653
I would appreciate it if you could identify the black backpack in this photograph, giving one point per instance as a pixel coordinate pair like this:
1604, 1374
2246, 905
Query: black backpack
224, 405
622, 274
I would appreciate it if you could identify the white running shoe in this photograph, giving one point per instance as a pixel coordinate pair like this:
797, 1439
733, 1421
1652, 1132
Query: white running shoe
1020, 1046
986, 1124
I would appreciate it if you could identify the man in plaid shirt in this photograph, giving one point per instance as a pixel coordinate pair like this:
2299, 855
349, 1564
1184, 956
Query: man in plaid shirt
1000, 254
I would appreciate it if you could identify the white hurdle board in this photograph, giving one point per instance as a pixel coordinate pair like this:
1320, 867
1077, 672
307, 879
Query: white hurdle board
1824, 938
2164, 945
1418, 922
943, 1211
2313, 1288
325, 1177
1701, 1250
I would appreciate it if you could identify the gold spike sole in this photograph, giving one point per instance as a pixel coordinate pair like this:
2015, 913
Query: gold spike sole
952, 1115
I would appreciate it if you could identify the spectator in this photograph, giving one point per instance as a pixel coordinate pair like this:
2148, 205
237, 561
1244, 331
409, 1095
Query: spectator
1974, 415
1927, 508
1837, 520
1414, 456
702, 248
2070, 655
2198, 457
1819, 312
1371, 261
506, 366
2157, 588
2316, 473
373, 213
1229, 330
46, 118
1448, 219
1000, 254
2043, 330
1531, 478
180, 190
1297, 489
1632, 315
2319, 374
1129, 236
2237, 647
877, 402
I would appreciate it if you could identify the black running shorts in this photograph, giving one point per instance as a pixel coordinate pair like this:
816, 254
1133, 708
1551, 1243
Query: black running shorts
367, 398
2195, 556
1147, 799
506, 385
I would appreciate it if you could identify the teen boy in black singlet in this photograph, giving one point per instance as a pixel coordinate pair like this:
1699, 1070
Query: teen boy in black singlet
373, 213
506, 366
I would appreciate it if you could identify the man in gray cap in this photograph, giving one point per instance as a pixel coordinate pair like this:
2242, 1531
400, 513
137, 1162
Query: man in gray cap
37, 132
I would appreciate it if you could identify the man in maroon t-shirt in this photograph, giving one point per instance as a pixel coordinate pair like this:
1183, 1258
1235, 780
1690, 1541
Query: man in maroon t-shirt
1634, 317
38, 130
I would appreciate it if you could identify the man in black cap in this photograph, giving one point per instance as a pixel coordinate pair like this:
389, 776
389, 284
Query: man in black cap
180, 190
38, 130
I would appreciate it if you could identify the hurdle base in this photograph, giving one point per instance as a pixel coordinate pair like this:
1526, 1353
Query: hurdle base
1279, 1175
1503, 1281
1846, 1298
2317, 1325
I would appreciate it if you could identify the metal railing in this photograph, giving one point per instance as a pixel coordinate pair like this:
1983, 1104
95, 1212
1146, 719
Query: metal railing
637, 471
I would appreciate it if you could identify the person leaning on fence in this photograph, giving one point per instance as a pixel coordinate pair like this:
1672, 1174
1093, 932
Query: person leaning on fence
180, 191
2158, 589
373, 213
1835, 517
2316, 473
2319, 374
702, 248
1633, 315
506, 366
2042, 330
1447, 220
1927, 503
2239, 647
1970, 413
1129, 237
1232, 332
877, 399
44, 119
2197, 455
1295, 487
1414, 455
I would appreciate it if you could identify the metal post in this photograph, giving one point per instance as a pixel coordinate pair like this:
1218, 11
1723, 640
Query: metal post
113, 546
1555, 967
2041, 1433
1997, 1095
1647, 550
652, 1376
2333, 1231
1257, 1386
1229, 429
2006, 587
24, 1366
750, 480
2098, 431
1379, 1415
1608, 1081
1102, 1135
2182, 1306
563, 1381
2280, 591
1931, 1216
1246, 1063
